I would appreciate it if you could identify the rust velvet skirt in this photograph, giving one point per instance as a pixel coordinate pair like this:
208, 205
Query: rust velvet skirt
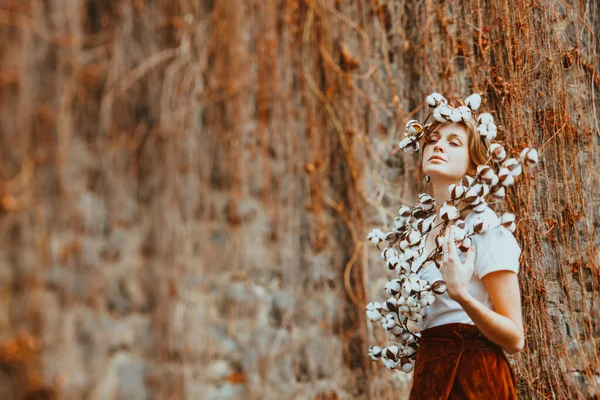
455, 361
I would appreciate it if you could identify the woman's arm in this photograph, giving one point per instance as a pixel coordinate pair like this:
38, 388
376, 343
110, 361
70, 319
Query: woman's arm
504, 326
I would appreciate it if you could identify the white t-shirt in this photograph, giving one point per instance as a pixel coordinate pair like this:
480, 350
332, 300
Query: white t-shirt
495, 250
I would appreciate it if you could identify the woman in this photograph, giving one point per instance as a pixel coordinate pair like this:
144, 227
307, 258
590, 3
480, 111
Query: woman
466, 330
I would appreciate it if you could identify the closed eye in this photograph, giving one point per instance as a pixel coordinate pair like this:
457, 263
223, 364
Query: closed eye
455, 144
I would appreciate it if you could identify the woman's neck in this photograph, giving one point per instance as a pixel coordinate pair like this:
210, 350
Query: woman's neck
440, 191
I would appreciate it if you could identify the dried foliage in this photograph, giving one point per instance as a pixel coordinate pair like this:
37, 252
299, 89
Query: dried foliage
161, 119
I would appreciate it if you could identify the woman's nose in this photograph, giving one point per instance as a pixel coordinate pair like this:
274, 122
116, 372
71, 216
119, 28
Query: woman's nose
437, 147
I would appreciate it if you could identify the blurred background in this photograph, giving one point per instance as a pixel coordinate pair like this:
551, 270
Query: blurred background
186, 187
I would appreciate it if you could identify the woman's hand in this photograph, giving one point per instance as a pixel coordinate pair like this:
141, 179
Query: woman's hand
456, 274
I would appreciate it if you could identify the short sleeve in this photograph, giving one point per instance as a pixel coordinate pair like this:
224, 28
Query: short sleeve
496, 250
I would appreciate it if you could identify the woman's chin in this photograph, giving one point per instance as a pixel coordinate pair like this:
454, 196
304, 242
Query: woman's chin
437, 175
435, 170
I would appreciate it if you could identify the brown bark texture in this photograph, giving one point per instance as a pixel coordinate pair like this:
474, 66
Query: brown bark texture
186, 187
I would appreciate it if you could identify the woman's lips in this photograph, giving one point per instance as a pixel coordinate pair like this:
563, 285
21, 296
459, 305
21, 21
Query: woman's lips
435, 158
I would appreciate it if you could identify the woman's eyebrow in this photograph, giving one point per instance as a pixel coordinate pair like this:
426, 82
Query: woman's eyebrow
456, 135
450, 135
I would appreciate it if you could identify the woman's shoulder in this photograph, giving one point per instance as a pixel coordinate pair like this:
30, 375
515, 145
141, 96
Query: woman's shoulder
496, 248
488, 216
495, 231
495, 235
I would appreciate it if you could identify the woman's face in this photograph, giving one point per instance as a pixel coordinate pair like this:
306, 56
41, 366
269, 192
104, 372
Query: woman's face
446, 153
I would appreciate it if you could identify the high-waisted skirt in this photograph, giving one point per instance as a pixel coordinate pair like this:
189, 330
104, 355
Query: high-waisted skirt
455, 361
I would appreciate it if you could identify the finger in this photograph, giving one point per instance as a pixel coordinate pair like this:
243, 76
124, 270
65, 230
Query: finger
445, 242
445, 247
452, 246
470, 255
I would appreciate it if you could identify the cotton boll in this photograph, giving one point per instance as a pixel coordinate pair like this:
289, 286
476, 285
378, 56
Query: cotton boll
390, 304
414, 237
513, 166
472, 194
507, 218
389, 321
497, 152
389, 253
376, 236
430, 299
506, 179
480, 226
415, 125
407, 367
473, 101
461, 224
456, 191
465, 113
485, 172
455, 116
424, 226
398, 223
481, 207
397, 330
465, 244
404, 212
426, 202
499, 193
407, 256
459, 234
448, 212
392, 263
494, 181
415, 284
511, 227
405, 142
438, 287
485, 189
374, 311
412, 302
392, 288
516, 171
467, 181
375, 352
508, 221
482, 129
403, 268
529, 157
435, 99
404, 245
389, 364
485, 118
444, 112
391, 352
409, 351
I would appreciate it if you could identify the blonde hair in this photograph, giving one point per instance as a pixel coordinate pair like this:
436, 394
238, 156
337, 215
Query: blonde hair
477, 145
